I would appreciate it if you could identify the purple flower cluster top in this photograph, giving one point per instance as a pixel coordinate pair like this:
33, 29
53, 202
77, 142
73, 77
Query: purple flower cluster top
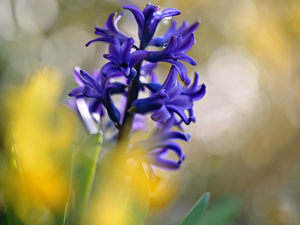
130, 71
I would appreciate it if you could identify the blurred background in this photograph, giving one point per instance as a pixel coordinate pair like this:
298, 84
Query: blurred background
245, 146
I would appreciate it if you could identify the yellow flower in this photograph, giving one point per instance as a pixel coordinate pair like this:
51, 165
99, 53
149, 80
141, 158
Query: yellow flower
39, 152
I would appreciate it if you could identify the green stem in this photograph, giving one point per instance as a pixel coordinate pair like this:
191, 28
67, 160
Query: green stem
133, 93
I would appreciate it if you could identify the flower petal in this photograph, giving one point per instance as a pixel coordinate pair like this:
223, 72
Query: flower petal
188, 59
137, 56
171, 79
89, 80
114, 47
77, 77
104, 39
173, 44
120, 88
187, 43
110, 69
153, 87
177, 149
185, 29
196, 92
165, 164
146, 105
88, 92
183, 102
169, 12
180, 68
125, 50
160, 41
137, 13
77, 92
162, 114
178, 135
110, 23
180, 113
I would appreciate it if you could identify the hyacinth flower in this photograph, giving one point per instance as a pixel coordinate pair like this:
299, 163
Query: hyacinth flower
184, 30
101, 90
95, 107
110, 30
170, 97
175, 50
122, 61
154, 150
146, 104
148, 20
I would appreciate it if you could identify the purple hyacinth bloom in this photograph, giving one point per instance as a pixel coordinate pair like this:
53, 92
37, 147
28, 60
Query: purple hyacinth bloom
170, 104
148, 20
171, 97
175, 50
166, 99
184, 30
153, 151
99, 89
110, 29
95, 107
121, 60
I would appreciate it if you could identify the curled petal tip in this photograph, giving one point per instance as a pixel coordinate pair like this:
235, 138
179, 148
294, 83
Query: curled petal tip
188, 137
192, 119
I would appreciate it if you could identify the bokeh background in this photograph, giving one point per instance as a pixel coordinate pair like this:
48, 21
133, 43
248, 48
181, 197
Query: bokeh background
245, 146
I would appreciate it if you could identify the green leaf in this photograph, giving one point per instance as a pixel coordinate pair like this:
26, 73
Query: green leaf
223, 211
84, 173
197, 212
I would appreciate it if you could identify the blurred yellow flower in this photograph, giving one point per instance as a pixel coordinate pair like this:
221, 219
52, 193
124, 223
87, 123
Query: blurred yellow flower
39, 152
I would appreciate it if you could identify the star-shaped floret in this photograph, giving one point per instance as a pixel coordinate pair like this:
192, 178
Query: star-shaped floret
175, 51
99, 89
121, 59
148, 20
184, 30
110, 29
154, 150
171, 97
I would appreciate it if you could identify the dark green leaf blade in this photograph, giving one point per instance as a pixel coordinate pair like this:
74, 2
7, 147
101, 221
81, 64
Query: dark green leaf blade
197, 212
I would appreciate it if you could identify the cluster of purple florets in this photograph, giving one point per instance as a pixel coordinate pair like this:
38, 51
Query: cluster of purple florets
170, 104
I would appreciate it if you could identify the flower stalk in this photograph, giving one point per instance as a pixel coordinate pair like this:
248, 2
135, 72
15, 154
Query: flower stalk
133, 93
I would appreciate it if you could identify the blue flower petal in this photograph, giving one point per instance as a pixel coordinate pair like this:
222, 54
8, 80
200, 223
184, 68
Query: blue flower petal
169, 12
147, 104
137, 13
162, 114
114, 47
77, 92
125, 50
88, 92
137, 56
